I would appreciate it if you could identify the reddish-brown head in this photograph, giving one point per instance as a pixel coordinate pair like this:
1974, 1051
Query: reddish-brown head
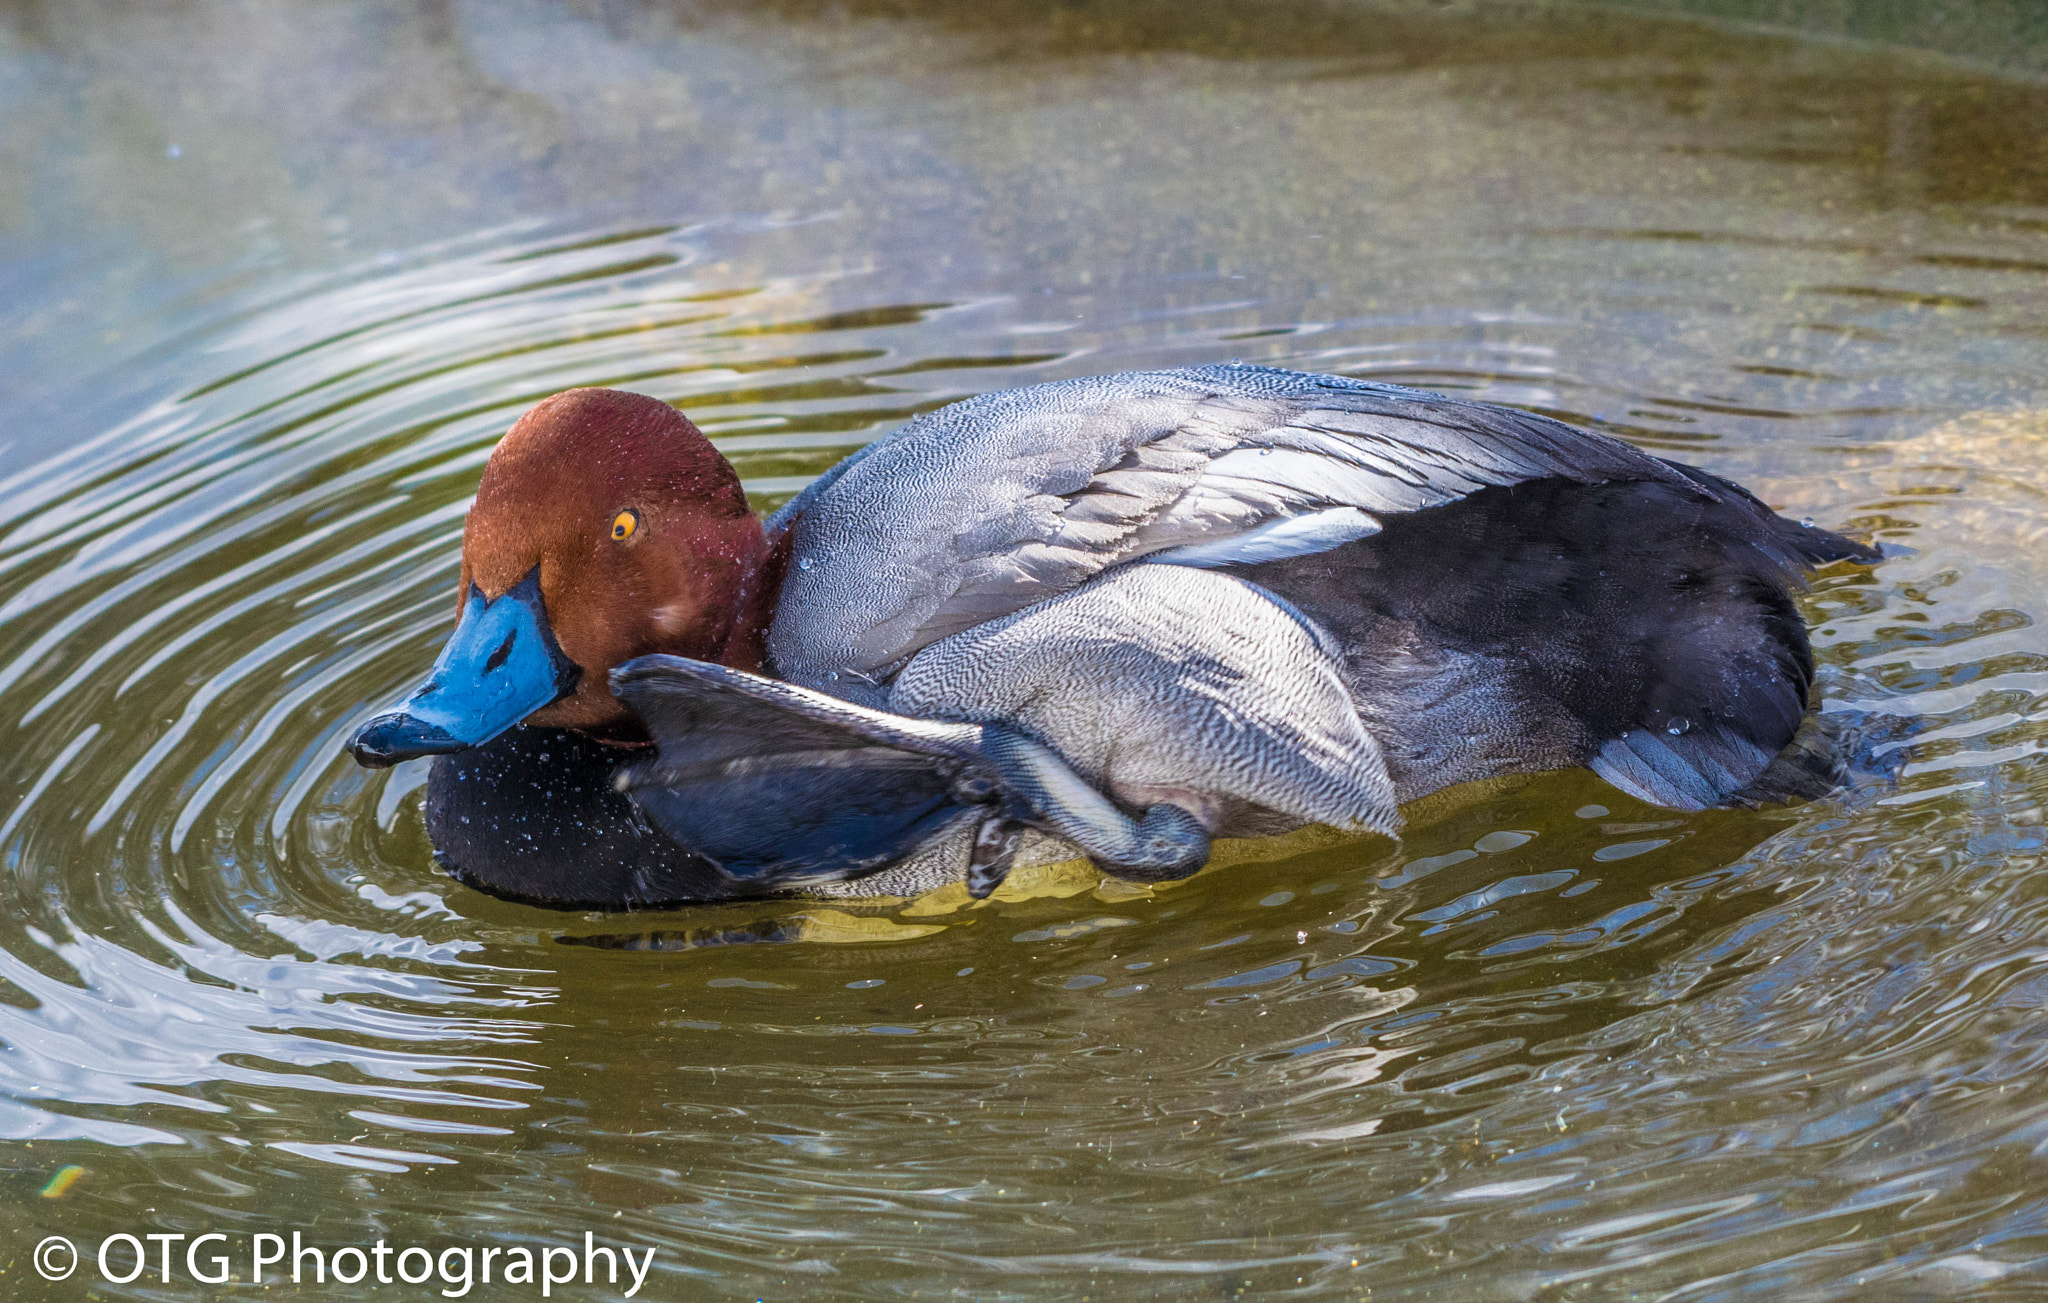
606, 527
639, 528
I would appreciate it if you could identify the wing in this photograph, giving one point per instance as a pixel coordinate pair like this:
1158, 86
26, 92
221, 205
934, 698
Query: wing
976, 511
777, 786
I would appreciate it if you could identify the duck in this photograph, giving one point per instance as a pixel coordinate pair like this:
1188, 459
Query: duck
1125, 614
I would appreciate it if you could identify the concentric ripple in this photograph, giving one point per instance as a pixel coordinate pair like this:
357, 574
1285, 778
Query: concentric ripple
1554, 1043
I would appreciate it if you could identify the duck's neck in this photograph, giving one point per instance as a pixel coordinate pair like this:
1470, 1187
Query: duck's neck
746, 644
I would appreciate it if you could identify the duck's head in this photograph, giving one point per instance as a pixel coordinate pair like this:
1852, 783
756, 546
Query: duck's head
606, 527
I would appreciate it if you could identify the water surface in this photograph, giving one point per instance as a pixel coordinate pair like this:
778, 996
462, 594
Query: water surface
271, 284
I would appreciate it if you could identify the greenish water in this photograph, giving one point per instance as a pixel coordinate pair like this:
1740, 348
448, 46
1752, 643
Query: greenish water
273, 279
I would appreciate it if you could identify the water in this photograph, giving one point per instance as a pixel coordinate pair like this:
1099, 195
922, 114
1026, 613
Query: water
271, 285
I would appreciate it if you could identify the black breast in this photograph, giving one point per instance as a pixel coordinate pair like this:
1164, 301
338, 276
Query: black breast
533, 816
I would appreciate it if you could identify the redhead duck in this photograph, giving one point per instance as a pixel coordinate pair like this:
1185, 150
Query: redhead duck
1131, 612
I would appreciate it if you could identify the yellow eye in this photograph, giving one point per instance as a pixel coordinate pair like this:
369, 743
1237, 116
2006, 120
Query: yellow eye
624, 524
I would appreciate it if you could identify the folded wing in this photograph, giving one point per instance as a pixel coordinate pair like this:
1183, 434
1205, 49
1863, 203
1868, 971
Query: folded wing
978, 510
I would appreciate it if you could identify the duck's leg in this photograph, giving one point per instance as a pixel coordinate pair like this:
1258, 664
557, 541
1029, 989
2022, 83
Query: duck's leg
1167, 844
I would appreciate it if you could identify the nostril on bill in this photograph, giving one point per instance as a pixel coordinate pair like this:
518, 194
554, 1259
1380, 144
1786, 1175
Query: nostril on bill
503, 654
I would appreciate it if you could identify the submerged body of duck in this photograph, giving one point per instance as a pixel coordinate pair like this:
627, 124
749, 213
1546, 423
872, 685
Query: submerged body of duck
1133, 612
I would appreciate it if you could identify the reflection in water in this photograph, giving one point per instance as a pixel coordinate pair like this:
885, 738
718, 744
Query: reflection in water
1554, 1040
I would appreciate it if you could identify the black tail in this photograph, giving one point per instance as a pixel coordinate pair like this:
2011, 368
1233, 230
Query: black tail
1643, 628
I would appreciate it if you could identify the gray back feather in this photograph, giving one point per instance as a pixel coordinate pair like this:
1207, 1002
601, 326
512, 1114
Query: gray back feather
975, 511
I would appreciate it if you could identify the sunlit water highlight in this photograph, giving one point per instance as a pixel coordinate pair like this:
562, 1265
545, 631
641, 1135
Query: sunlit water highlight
1554, 1041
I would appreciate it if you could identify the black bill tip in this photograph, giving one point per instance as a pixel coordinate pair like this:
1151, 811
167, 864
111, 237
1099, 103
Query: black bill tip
395, 735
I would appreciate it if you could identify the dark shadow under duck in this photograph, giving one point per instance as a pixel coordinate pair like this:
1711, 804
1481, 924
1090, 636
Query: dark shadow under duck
1132, 612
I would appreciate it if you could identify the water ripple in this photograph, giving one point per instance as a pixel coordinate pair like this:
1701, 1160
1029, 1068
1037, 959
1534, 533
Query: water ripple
1580, 1040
